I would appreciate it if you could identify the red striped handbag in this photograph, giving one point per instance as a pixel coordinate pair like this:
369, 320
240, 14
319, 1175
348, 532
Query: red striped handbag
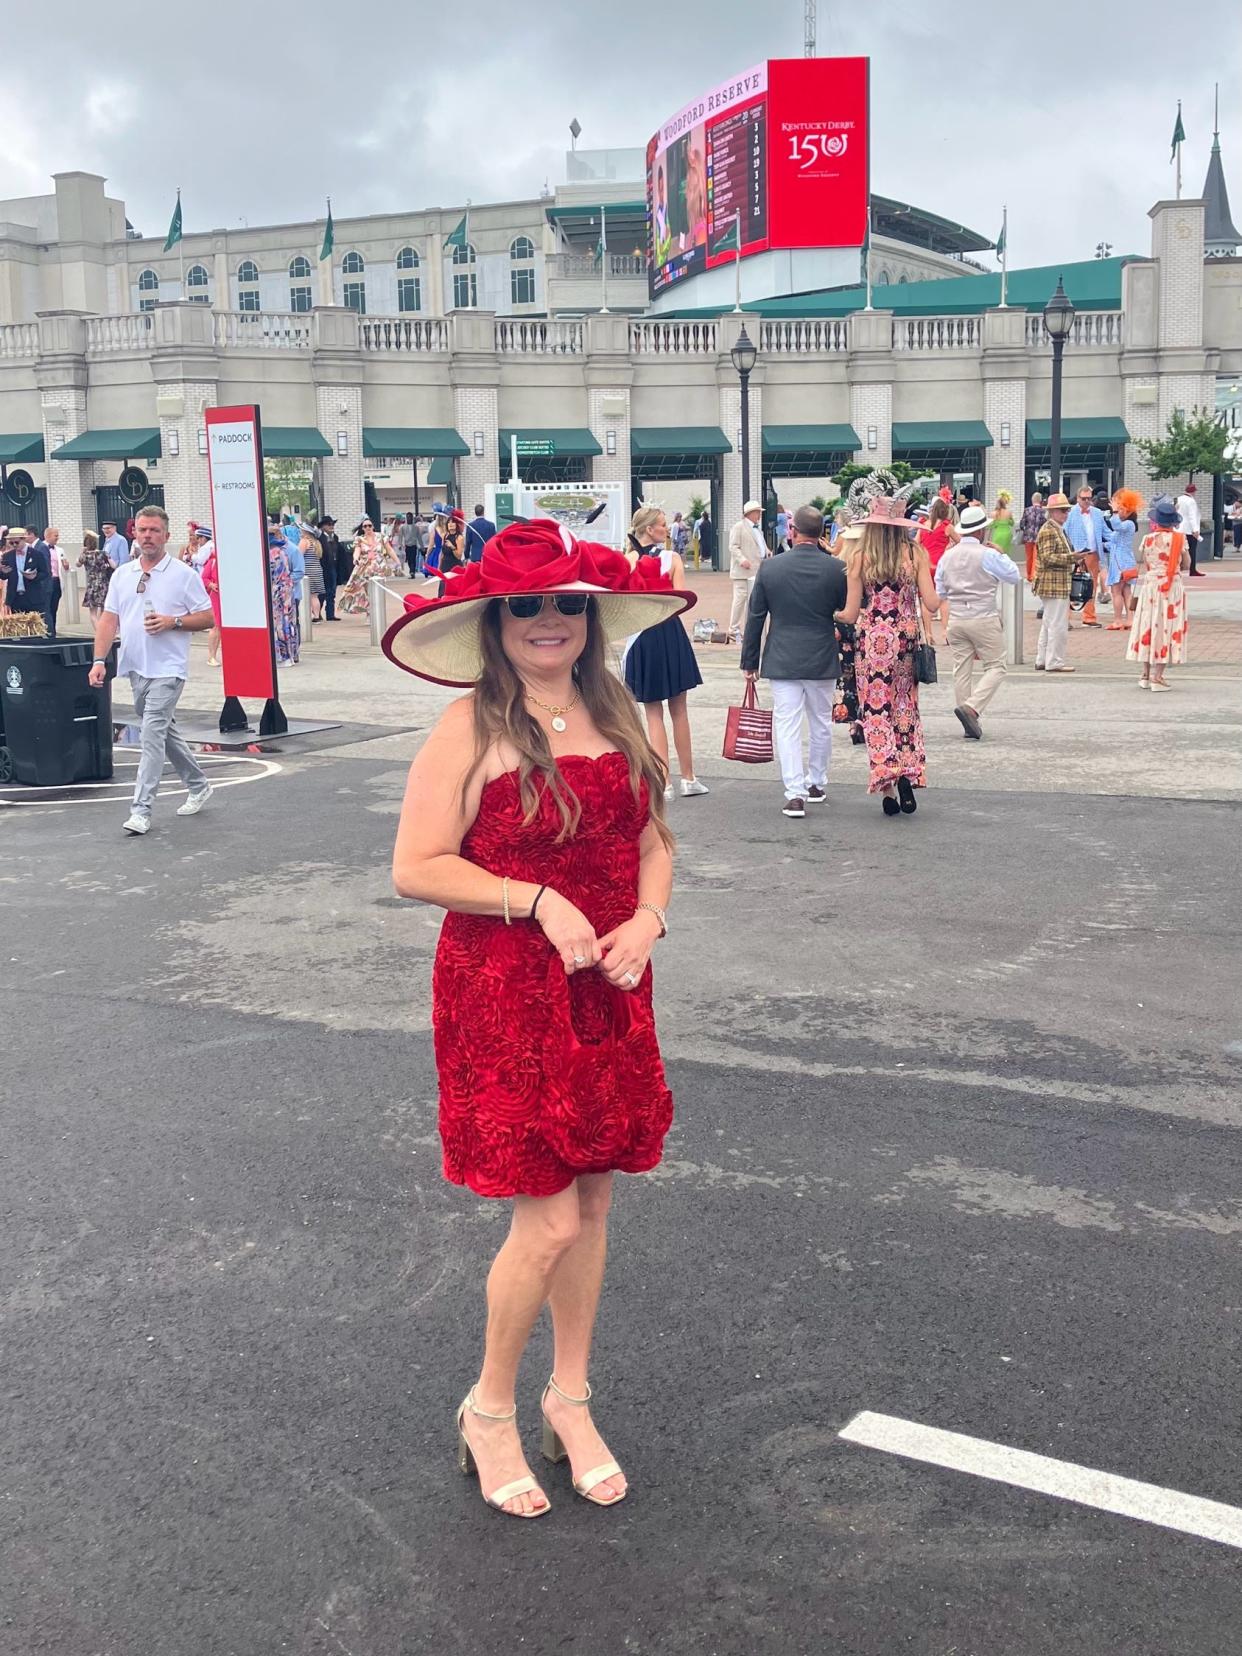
748, 731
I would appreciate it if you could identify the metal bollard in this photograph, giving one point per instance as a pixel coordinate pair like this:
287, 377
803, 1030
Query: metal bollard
378, 615
1012, 601
304, 614
71, 596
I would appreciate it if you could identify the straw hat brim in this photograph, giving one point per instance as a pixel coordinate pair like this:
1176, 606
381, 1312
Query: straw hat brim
442, 644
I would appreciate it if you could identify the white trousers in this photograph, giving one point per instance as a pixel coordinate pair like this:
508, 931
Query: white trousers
1053, 633
791, 698
737, 615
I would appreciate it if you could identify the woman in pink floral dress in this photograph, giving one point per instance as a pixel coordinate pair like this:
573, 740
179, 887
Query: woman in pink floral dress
888, 576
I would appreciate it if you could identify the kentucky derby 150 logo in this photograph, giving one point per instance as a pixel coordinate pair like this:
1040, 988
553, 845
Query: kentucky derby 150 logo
808, 148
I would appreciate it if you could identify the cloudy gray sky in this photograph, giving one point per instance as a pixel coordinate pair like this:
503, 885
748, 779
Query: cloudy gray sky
1063, 110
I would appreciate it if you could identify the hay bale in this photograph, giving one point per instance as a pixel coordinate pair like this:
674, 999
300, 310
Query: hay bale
25, 625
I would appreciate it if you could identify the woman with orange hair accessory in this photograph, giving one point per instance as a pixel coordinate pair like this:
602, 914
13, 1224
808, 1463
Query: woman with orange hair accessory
1119, 534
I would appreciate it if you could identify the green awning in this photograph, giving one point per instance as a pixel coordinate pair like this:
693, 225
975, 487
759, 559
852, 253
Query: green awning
946, 434
590, 210
133, 443
1105, 428
801, 439
549, 443
413, 442
646, 442
294, 443
21, 448
440, 475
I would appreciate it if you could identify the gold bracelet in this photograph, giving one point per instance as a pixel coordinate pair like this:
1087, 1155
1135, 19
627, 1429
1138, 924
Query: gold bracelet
504, 896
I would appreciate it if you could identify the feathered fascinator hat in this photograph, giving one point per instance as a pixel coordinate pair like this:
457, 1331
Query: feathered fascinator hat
879, 498
1128, 500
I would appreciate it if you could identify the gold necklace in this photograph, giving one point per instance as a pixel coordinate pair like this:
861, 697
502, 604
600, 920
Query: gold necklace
558, 713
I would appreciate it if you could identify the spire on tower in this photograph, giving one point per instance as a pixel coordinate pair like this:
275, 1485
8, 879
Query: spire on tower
1220, 236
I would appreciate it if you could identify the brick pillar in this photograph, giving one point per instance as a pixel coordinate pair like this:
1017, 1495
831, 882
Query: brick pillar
731, 496
187, 493
1003, 366
608, 414
343, 494
475, 409
871, 389
61, 375
871, 405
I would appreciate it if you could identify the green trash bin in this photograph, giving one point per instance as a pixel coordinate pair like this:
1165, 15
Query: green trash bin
54, 728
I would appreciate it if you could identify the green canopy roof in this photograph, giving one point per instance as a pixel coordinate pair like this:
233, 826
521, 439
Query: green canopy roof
797, 439
132, 443
413, 442
1092, 284
933, 434
440, 473
294, 443
1106, 428
648, 441
21, 447
549, 443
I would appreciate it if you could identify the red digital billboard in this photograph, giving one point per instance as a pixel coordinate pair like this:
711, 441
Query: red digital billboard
776, 157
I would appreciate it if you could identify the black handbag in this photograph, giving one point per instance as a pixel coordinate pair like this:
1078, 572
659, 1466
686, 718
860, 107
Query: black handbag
925, 670
1082, 586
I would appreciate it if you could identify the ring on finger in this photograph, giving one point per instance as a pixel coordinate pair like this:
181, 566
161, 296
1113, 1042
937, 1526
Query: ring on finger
628, 977
579, 960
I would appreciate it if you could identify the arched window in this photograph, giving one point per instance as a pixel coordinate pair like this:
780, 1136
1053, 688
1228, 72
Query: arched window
407, 259
247, 271
521, 247
883, 279
353, 264
299, 268
902, 278
148, 283
196, 277
465, 282
522, 273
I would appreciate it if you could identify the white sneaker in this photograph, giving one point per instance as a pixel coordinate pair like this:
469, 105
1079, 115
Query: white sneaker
195, 801
692, 787
670, 793
136, 823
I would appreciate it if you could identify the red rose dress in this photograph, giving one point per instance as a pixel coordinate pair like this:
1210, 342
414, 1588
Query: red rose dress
542, 1076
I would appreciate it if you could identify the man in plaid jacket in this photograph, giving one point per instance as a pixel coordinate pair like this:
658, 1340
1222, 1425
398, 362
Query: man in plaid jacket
1055, 559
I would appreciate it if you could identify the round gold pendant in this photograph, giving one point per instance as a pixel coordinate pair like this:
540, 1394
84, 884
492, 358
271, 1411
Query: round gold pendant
558, 723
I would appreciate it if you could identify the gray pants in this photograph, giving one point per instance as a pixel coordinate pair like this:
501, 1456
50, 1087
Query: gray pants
155, 701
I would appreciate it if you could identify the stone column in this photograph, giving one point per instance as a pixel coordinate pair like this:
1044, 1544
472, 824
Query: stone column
609, 376
1177, 247
1003, 367
61, 375
871, 384
729, 396
337, 372
185, 369
474, 373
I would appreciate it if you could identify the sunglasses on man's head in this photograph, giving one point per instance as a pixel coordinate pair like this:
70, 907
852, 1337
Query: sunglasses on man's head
566, 603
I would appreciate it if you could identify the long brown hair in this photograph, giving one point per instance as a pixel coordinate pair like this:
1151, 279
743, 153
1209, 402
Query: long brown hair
500, 714
884, 552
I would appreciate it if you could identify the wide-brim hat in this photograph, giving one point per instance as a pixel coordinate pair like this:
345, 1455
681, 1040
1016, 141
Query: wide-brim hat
1163, 513
974, 517
889, 510
438, 636
1057, 503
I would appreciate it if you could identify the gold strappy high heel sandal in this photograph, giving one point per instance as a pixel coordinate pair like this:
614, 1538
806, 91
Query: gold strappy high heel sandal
468, 1464
555, 1451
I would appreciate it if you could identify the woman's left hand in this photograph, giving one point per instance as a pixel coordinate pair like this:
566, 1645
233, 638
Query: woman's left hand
627, 949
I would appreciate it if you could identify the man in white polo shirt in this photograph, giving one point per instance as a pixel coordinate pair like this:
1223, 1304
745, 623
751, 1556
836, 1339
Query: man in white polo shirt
155, 601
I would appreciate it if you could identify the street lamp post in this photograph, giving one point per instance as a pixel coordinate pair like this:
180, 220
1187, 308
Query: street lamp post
1058, 319
743, 356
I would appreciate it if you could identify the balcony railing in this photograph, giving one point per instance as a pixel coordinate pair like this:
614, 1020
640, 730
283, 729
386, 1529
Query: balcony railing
128, 332
584, 264
937, 333
673, 338
19, 339
404, 333
804, 338
538, 338
1101, 329
263, 330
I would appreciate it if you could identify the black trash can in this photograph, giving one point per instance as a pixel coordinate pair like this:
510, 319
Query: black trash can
54, 728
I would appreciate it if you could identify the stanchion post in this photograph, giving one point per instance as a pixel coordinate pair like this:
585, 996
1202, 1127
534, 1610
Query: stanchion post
304, 613
375, 594
71, 594
1013, 602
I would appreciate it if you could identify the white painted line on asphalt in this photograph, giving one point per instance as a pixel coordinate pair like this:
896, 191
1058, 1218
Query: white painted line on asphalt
27, 799
1149, 1503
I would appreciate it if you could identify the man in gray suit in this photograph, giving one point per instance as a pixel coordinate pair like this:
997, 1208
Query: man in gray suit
798, 594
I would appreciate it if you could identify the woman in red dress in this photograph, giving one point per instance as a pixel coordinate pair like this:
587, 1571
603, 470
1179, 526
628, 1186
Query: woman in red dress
534, 816
935, 536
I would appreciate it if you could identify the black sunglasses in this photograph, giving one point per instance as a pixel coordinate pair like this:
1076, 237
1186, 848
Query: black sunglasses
567, 603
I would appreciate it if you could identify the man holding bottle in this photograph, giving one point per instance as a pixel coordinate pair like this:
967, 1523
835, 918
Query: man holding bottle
155, 602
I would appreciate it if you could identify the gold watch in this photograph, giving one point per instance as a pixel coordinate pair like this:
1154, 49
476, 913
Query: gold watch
654, 908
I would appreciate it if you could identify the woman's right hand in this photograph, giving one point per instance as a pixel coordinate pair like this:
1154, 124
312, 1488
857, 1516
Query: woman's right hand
569, 932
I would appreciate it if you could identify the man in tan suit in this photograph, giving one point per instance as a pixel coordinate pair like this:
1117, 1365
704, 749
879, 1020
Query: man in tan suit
747, 550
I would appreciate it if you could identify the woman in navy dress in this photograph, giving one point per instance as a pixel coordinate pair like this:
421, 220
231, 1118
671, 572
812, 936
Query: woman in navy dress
659, 664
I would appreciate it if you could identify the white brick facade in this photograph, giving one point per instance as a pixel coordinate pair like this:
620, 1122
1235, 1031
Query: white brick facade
70, 505
474, 409
872, 405
731, 496
608, 415
1004, 407
184, 474
339, 408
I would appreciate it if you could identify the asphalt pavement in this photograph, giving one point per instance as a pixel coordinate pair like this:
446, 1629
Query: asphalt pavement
956, 1142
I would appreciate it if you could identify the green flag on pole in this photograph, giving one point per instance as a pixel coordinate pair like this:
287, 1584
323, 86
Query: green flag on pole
461, 236
1179, 133
174, 226
1000, 243
329, 235
731, 241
